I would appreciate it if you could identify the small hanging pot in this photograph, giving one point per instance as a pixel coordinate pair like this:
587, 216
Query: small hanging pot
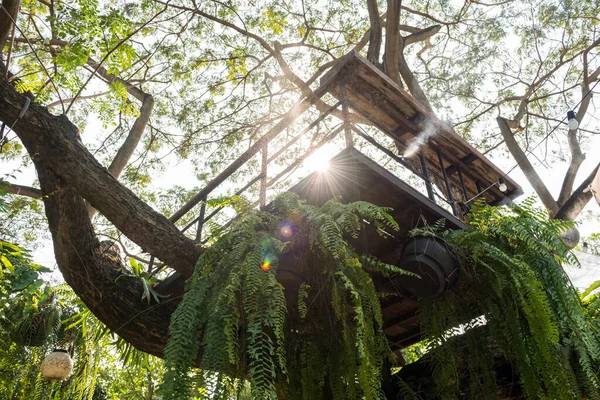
57, 366
430, 258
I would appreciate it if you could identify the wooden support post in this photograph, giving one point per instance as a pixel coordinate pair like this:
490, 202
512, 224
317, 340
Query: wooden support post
462, 184
425, 173
447, 182
201, 221
346, 114
262, 197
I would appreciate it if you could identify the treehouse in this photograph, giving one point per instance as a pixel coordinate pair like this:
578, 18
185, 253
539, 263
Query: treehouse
446, 175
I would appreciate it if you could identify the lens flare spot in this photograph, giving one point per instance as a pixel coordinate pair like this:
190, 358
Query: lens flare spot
286, 229
265, 266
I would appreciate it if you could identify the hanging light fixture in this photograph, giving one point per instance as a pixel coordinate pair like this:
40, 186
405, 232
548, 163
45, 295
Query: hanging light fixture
57, 366
585, 248
572, 121
502, 185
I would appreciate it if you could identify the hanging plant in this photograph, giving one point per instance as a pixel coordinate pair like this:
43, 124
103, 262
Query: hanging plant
324, 339
529, 313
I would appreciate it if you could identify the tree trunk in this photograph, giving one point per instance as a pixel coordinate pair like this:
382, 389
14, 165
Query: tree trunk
578, 200
97, 278
526, 167
374, 33
8, 13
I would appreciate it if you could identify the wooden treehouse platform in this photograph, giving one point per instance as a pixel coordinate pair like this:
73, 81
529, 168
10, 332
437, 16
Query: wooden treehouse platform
376, 98
452, 172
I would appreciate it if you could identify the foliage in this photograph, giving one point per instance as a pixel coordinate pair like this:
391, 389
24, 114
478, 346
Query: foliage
533, 315
36, 317
235, 313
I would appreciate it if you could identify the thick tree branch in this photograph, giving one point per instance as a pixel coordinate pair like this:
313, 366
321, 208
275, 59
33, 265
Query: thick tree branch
578, 200
8, 13
374, 33
413, 85
56, 140
97, 278
21, 190
392, 40
577, 155
422, 34
525, 165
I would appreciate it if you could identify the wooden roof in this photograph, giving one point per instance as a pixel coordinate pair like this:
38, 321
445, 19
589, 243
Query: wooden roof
379, 100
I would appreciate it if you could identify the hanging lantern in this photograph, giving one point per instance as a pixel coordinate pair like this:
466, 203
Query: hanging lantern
502, 185
57, 366
572, 121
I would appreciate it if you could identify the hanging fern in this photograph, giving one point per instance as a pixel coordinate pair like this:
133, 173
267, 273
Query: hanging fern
533, 314
235, 318
326, 340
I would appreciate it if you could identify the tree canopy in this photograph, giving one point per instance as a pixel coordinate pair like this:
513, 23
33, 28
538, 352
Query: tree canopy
103, 100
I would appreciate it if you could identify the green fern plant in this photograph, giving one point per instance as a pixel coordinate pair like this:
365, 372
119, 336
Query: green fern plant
533, 314
236, 319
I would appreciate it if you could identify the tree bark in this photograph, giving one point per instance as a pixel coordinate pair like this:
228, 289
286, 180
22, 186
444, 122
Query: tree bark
374, 33
131, 142
56, 140
96, 277
133, 138
528, 169
22, 190
8, 13
577, 155
392, 40
578, 200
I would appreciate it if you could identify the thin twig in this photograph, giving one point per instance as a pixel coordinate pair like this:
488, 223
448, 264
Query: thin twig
111, 51
35, 54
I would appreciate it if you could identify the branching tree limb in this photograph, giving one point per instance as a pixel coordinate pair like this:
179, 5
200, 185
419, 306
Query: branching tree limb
22, 190
56, 140
412, 84
578, 200
96, 277
577, 155
528, 169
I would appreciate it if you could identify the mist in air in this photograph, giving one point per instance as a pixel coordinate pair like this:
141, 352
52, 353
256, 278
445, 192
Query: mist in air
430, 129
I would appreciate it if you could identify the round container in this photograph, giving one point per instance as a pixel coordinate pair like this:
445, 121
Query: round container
430, 258
57, 366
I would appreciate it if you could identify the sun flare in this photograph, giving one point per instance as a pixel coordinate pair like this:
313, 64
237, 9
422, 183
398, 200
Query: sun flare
319, 160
